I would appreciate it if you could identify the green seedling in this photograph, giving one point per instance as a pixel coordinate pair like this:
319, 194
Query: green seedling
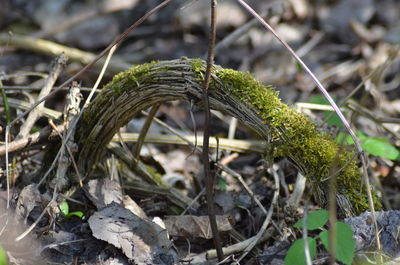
3, 256
345, 244
380, 147
334, 119
64, 208
376, 146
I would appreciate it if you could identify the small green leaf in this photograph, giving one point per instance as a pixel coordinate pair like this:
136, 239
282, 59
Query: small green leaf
3, 256
79, 214
374, 145
361, 136
334, 120
318, 99
222, 184
344, 139
64, 207
299, 68
296, 255
380, 147
345, 244
315, 220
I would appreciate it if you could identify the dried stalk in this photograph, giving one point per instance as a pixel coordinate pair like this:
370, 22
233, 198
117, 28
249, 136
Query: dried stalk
59, 64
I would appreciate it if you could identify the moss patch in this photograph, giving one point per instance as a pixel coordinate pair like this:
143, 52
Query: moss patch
131, 78
314, 151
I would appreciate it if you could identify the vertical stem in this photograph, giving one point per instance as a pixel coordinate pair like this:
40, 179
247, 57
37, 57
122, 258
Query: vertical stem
205, 155
5, 102
145, 129
332, 217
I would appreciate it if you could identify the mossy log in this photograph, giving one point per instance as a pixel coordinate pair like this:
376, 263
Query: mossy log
287, 132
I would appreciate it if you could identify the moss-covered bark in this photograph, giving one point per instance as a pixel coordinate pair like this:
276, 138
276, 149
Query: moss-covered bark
291, 133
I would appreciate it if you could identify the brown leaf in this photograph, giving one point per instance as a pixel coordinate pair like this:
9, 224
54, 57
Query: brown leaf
195, 226
142, 241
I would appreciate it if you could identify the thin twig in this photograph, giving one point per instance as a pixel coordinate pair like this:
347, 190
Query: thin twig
145, 129
267, 218
71, 155
5, 102
7, 169
194, 201
24, 105
67, 136
31, 139
52, 49
234, 248
332, 210
235, 145
59, 64
205, 155
305, 237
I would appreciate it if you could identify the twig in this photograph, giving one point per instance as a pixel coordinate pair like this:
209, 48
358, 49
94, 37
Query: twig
211, 254
24, 74
54, 245
194, 201
305, 237
31, 139
144, 130
135, 165
371, 116
227, 144
71, 112
24, 105
5, 102
75, 121
59, 64
205, 155
298, 191
267, 218
53, 49
34, 88
7, 169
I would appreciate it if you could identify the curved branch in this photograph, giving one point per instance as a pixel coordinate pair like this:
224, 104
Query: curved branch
286, 131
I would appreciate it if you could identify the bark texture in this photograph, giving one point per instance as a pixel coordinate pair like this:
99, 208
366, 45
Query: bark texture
287, 132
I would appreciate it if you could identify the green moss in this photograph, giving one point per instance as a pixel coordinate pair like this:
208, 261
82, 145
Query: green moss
314, 151
131, 78
156, 176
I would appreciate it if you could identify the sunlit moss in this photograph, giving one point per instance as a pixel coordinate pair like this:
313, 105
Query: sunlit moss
316, 152
131, 78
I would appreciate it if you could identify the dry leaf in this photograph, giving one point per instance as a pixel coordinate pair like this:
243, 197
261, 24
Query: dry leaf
103, 192
141, 240
195, 226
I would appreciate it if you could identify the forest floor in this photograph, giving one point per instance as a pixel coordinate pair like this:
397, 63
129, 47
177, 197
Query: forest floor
122, 215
